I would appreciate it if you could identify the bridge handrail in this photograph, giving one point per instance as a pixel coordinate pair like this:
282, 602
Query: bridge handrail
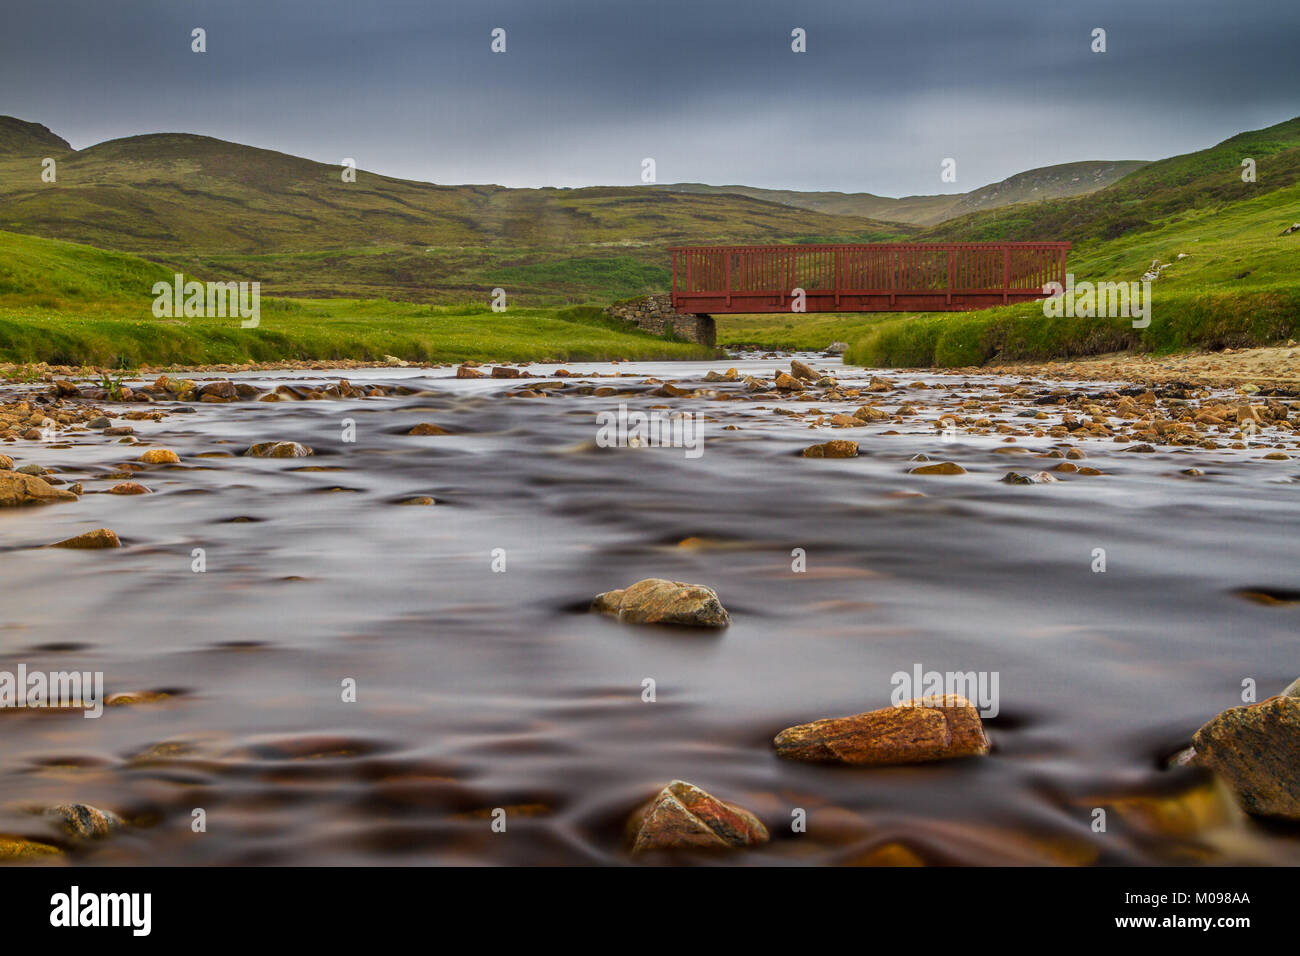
716, 277
936, 246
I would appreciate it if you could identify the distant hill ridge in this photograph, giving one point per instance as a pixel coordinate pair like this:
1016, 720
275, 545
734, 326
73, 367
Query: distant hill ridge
169, 193
1048, 182
20, 138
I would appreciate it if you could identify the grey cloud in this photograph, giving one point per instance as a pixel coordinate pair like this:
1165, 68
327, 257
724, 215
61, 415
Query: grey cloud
708, 88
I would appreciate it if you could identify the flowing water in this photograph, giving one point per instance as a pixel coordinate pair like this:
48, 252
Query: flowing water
478, 688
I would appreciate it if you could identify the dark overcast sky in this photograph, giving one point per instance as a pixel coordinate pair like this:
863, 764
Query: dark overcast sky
708, 88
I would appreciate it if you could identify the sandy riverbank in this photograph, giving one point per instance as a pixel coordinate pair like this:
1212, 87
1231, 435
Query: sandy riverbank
1275, 366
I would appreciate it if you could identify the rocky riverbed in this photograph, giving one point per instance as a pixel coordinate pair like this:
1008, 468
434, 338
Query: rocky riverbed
425, 615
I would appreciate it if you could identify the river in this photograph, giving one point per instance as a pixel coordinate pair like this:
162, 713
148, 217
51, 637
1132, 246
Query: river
479, 687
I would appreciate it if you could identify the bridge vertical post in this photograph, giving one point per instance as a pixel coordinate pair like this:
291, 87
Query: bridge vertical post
1006, 275
728, 260
893, 274
952, 271
674, 279
839, 271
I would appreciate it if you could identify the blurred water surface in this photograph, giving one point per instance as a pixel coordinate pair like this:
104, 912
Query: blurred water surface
478, 689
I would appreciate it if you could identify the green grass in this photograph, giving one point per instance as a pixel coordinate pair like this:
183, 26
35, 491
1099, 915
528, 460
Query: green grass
67, 304
788, 332
330, 329
441, 275
1239, 286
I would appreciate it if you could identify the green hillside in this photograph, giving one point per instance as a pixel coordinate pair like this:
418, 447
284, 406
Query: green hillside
1237, 285
225, 210
1208, 178
20, 138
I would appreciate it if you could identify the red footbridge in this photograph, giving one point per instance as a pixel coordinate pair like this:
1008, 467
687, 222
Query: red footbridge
875, 277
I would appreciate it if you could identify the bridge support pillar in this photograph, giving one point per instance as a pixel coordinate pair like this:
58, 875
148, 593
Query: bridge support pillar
655, 314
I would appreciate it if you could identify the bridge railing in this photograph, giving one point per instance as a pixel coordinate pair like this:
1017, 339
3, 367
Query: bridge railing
864, 277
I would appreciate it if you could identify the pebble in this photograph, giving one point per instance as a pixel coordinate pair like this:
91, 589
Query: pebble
939, 468
128, 488
839, 448
160, 456
86, 822
17, 848
278, 449
99, 538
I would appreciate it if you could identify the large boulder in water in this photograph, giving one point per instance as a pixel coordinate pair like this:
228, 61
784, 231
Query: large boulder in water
682, 815
84, 821
657, 601
804, 371
917, 731
1256, 751
18, 489
278, 449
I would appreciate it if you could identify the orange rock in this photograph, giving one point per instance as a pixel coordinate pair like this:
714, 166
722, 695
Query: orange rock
99, 538
839, 448
128, 488
658, 601
20, 489
682, 815
1256, 751
918, 731
160, 456
939, 468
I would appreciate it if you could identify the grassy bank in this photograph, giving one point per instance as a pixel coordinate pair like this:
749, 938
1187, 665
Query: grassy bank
69, 304
330, 329
1185, 320
805, 333
1236, 285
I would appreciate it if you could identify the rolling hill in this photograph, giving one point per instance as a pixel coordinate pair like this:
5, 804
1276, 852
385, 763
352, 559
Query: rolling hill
20, 138
1207, 178
1049, 182
221, 209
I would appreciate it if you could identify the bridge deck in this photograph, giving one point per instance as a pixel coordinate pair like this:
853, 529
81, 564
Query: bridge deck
875, 277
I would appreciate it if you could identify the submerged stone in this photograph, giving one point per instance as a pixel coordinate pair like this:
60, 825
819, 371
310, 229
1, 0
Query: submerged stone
939, 468
1255, 750
160, 456
658, 601
85, 822
839, 448
684, 816
99, 538
917, 731
278, 449
17, 490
